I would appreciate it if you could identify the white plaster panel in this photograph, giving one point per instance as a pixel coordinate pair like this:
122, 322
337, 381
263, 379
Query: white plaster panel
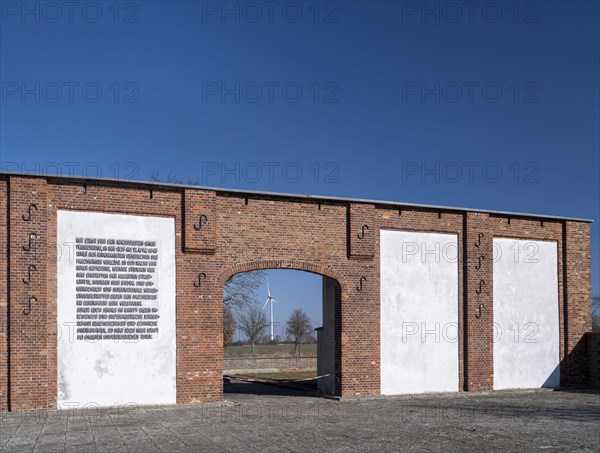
109, 372
419, 312
526, 324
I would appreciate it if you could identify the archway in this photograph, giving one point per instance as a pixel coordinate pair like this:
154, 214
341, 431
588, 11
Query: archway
271, 366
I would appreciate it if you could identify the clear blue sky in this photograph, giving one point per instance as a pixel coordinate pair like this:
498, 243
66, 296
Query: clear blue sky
409, 101
292, 289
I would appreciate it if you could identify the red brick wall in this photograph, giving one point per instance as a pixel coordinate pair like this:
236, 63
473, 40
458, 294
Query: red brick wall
3, 294
478, 312
243, 233
28, 349
578, 293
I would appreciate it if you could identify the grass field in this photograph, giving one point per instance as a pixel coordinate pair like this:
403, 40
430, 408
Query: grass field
270, 350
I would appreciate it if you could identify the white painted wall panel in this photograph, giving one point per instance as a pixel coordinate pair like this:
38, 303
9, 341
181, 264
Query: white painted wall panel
526, 323
419, 312
106, 372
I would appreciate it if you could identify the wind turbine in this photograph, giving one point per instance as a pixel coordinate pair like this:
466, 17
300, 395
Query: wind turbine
270, 301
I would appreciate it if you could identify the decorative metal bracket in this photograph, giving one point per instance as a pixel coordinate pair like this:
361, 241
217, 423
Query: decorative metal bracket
27, 247
360, 283
480, 289
27, 217
27, 310
479, 263
361, 235
478, 314
201, 276
479, 238
30, 268
199, 226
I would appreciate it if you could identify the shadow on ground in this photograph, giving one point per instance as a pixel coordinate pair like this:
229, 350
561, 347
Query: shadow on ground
233, 388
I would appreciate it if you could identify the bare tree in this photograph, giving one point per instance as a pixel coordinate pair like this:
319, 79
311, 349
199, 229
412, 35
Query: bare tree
596, 314
252, 322
298, 328
172, 178
229, 326
239, 291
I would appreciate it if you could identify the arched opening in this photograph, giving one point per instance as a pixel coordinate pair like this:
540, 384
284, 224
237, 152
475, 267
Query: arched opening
280, 332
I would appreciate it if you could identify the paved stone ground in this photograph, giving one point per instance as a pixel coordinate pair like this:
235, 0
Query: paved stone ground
258, 418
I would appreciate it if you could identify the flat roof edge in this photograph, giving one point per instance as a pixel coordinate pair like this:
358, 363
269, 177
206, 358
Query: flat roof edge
292, 195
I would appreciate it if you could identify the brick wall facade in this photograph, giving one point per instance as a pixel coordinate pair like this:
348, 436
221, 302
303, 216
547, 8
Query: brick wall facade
222, 233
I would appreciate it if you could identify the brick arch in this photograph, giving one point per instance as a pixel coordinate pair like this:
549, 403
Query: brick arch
299, 265
341, 295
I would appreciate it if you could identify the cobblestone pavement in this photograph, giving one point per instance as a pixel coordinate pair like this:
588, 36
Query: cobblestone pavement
271, 422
